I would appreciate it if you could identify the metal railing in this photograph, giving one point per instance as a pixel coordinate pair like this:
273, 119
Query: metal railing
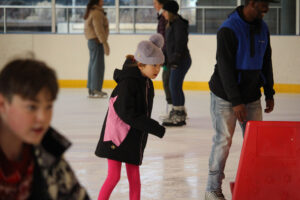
117, 8
207, 8
5, 7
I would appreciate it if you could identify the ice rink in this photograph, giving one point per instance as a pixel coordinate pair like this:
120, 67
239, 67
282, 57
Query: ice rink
175, 167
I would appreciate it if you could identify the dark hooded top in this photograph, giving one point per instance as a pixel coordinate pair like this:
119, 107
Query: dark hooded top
127, 123
177, 41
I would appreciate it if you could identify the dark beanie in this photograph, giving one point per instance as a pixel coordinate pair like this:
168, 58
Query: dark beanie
171, 6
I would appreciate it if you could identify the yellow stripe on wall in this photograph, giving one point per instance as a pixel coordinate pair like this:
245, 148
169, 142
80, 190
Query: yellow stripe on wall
188, 85
287, 88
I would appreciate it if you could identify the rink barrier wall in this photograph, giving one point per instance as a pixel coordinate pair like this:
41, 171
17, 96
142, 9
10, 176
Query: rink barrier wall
68, 55
187, 85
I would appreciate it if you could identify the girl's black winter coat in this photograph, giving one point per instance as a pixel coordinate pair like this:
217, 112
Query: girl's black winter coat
133, 106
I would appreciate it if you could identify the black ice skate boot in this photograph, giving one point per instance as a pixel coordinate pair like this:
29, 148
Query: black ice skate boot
176, 118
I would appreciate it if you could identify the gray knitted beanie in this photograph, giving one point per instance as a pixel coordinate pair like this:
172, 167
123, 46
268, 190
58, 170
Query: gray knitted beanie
149, 51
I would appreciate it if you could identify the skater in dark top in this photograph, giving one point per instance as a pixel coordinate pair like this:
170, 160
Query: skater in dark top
179, 61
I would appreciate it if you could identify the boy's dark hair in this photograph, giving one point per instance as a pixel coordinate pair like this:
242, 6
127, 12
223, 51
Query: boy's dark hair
27, 77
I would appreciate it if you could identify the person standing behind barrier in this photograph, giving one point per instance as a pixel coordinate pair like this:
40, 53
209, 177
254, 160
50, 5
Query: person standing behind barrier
161, 29
127, 124
96, 31
179, 61
243, 66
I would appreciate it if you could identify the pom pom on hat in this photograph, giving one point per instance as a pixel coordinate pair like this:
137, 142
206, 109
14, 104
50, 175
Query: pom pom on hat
149, 51
157, 39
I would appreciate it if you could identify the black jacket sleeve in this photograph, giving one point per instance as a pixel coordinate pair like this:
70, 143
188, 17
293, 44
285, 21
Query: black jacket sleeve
126, 108
226, 58
180, 43
267, 71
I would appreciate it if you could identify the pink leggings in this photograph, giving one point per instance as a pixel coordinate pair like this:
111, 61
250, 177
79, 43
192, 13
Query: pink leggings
113, 177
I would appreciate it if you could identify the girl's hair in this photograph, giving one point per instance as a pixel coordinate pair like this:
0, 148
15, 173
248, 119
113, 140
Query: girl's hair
130, 62
172, 17
129, 56
89, 7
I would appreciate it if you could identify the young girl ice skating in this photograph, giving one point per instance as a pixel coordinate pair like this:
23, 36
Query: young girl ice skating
128, 122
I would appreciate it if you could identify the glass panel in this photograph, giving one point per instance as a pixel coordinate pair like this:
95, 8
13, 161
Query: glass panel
28, 19
214, 19
190, 15
1, 20
199, 22
126, 20
136, 2
138, 20
22, 2
271, 19
74, 18
188, 3
69, 20
288, 17
71, 2
62, 16
146, 20
111, 16
82, 2
214, 2
107, 3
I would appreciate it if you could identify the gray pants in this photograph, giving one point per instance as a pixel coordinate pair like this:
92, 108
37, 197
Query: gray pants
224, 121
96, 65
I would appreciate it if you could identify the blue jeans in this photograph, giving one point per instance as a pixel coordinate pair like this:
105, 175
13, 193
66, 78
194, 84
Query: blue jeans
96, 65
224, 122
176, 81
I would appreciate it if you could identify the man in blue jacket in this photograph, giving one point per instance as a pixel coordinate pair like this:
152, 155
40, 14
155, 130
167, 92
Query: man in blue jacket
243, 66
